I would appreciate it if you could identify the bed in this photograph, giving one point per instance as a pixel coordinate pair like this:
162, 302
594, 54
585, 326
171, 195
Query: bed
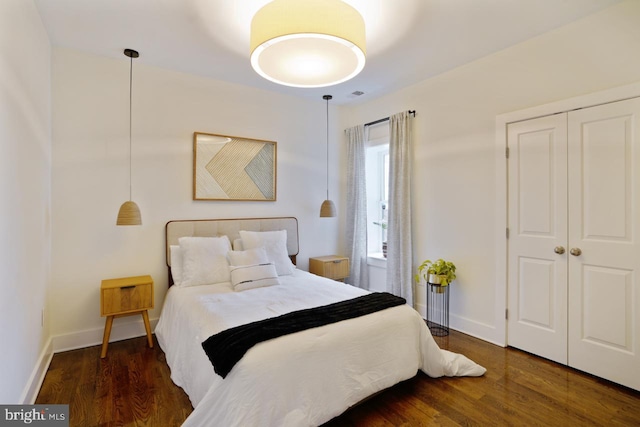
300, 379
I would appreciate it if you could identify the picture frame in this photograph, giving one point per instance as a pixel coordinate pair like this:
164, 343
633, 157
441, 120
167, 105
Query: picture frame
233, 168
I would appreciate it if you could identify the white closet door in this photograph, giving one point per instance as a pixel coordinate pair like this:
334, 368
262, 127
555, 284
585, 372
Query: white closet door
604, 235
537, 289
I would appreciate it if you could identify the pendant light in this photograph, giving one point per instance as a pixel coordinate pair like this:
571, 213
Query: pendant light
129, 213
328, 208
310, 43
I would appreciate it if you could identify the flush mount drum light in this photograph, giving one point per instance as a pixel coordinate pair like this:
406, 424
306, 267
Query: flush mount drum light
307, 43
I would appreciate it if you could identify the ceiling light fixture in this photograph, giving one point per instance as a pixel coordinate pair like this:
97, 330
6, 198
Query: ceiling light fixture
310, 43
129, 213
328, 208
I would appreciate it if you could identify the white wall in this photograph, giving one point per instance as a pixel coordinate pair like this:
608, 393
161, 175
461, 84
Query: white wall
25, 194
90, 175
454, 141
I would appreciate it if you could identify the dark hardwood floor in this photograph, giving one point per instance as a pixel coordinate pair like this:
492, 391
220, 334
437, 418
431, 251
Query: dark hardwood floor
132, 387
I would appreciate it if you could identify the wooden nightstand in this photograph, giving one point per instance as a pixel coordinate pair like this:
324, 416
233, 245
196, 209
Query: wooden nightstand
124, 297
332, 266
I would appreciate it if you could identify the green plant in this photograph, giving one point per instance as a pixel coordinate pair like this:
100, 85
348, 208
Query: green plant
447, 269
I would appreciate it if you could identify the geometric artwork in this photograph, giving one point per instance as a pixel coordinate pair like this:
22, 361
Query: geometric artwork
233, 168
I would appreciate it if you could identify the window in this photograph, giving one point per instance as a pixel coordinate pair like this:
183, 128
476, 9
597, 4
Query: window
377, 176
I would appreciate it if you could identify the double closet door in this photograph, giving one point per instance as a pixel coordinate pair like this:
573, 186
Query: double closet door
574, 239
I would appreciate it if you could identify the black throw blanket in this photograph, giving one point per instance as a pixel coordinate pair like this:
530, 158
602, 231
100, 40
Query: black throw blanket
226, 348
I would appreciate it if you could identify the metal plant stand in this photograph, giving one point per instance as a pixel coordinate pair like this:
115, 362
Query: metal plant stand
438, 309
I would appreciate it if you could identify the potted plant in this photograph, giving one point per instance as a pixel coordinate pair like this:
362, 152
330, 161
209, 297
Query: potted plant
439, 273
383, 225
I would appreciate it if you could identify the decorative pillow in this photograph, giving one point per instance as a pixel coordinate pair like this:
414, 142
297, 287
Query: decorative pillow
245, 277
248, 257
204, 260
274, 243
237, 245
176, 264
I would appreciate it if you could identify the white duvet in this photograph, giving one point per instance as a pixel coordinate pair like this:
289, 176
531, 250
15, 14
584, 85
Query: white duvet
302, 379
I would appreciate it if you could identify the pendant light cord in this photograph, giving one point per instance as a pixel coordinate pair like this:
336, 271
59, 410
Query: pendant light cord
130, 98
327, 98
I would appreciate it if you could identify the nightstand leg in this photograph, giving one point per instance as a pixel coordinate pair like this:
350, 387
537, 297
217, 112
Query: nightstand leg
147, 326
107, 334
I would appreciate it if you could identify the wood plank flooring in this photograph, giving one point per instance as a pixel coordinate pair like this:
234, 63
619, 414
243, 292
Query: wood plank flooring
132, 387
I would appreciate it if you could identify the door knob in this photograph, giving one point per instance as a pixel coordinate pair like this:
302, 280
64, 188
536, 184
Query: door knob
559, 250
575, 251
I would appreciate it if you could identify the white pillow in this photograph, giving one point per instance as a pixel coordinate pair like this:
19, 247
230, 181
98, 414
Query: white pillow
176, 264
248, 257
274, 243
245, 277
237, 245
204, 260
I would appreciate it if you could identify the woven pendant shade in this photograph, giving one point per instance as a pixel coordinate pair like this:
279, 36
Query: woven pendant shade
129, 214
328, 209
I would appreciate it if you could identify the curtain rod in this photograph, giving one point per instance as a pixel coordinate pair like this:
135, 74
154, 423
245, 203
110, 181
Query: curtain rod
412, 112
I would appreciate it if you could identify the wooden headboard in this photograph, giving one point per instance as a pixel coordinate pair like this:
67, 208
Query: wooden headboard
231, 228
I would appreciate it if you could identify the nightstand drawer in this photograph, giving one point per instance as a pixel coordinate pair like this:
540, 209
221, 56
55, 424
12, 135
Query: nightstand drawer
333, 266
130, 294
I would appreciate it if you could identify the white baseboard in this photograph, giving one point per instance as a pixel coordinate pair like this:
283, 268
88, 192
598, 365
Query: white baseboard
469, 327
123, 328
31, 390
476, 329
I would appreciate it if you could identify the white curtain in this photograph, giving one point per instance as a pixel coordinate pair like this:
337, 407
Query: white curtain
399, 241
357, 206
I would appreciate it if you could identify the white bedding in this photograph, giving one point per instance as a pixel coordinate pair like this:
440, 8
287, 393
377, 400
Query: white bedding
302, 379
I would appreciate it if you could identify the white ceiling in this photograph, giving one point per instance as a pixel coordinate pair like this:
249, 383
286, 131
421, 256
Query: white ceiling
407, 40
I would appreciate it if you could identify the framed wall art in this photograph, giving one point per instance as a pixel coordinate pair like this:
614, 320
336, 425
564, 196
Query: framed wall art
233, 168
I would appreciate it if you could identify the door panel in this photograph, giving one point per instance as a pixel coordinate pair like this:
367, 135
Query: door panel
537, 294
606, 308
604, 212
606, 177
535, 156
